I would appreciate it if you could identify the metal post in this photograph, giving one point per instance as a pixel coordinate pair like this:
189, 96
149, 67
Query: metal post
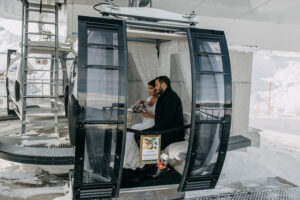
9, 53
269, 102
51, 75
24, 56
56, 69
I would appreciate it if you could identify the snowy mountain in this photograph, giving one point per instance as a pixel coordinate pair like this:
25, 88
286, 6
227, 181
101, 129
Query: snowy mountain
8, 40
284, 75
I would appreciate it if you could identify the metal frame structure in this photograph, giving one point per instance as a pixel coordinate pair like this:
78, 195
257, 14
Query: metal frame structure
112, 189
189, 181
205, 182
26, 45
9, 53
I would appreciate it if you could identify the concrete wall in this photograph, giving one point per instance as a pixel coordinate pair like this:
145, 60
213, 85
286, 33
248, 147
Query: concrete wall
241, 69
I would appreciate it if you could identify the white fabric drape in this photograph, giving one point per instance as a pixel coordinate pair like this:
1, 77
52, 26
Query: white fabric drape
146, 60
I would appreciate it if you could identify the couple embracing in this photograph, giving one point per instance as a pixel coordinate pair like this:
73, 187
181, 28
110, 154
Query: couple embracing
163, 112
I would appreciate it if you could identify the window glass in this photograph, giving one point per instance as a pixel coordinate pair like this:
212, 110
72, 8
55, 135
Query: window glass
108, 37
210, 89
105, 94
99, 55
209, 63
207, 46
99, 153
209, 112
207, 139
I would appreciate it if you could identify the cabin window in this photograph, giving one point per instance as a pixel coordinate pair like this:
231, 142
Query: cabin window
104, 93
99, 158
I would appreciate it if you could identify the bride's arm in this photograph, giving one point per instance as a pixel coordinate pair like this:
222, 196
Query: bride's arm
148, 115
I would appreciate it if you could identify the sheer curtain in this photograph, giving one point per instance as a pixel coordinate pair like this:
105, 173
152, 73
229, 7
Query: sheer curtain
175, 62
143, 67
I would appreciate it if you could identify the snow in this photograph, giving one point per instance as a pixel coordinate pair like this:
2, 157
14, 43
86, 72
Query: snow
15, 172
48, 143
243, 49
282, 70
24, 180
28, 192
67, 192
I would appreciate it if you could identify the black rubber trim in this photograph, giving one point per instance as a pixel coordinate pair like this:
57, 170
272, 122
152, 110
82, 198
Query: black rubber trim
37, 159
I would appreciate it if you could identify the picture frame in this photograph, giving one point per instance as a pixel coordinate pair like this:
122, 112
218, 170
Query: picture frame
150, 149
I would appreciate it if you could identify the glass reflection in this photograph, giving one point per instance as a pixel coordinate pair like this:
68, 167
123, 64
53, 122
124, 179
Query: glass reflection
209, 112
208, 46
99, 155
108, 37
99, 55
210, 88
207, 138
105, 101
209, 63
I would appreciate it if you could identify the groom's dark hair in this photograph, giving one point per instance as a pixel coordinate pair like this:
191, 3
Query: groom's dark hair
164, 79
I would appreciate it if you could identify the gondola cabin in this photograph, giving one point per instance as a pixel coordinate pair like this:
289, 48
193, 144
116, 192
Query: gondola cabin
117, 57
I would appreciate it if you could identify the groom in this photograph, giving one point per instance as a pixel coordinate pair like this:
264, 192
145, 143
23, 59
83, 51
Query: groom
168, 113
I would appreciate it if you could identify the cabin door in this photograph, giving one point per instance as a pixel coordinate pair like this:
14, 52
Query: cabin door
211, 109
102, 99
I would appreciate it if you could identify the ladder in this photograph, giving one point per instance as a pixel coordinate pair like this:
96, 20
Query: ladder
46, 52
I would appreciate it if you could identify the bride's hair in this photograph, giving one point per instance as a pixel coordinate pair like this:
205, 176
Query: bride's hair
152, 83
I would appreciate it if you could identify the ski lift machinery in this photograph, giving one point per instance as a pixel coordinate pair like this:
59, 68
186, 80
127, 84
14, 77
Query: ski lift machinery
100, 130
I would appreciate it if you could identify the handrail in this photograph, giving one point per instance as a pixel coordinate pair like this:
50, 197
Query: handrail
158, 132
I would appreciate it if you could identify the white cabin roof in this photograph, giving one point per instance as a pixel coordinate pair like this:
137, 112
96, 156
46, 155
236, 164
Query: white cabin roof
267, 24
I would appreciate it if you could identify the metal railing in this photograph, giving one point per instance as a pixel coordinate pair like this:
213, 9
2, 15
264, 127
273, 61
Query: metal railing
2, 92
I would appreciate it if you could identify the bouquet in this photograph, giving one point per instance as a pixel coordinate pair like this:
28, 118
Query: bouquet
139, 106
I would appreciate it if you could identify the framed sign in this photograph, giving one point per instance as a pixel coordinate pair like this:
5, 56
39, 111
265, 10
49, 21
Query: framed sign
150, 149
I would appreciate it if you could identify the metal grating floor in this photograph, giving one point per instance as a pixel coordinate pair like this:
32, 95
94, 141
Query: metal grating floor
273, 194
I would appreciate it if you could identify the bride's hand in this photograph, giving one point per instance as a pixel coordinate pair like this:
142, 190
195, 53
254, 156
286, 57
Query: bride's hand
146, 114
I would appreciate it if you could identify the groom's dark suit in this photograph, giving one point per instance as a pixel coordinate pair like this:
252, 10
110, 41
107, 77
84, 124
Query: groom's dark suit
169, 115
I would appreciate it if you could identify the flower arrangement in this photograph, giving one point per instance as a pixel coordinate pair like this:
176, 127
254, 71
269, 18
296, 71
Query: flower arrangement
139, 106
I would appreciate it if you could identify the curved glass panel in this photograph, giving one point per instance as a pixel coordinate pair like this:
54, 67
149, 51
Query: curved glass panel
211, 63
207, 142
99, 55
101, 94
104, 94
207, 46
210, 113
99, 156
210, 89
109, 37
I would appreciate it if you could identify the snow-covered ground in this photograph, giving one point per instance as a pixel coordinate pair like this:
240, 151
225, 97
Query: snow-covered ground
21, 181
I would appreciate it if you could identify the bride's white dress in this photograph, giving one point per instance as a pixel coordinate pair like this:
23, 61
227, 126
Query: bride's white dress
132, 151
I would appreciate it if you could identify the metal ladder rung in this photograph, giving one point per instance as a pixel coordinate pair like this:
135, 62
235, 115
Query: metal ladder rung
39, 70
42, 46
37, 33
37, 5
39, 96
40, 22
32, 57
38, 83
42, 11
40, 122
40, 110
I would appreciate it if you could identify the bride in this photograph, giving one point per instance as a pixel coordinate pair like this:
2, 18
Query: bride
132, 151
